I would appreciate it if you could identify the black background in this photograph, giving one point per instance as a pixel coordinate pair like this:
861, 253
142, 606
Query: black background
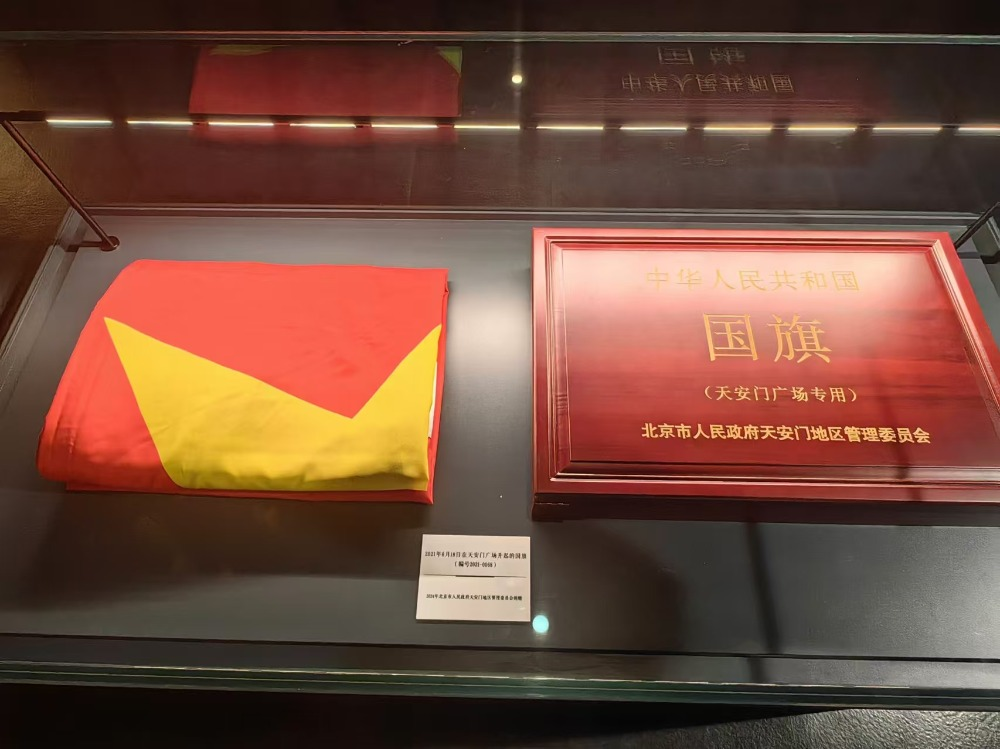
918, 16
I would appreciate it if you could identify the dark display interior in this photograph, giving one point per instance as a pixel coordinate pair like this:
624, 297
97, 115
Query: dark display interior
768, 604
669, 131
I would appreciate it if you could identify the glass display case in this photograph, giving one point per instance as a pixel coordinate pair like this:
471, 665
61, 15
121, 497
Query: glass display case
445, 151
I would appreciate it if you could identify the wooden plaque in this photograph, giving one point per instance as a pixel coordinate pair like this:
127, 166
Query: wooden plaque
755, 366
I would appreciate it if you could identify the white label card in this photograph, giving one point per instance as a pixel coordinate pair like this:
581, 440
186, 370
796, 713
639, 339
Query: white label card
475, 578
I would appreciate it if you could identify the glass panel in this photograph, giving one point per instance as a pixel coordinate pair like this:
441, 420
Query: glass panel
672, 124
207, 146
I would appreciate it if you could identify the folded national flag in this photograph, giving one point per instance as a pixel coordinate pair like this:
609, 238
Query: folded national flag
249, 379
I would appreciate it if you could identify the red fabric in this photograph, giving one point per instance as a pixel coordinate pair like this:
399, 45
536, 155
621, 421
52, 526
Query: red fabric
347, 80
275, 323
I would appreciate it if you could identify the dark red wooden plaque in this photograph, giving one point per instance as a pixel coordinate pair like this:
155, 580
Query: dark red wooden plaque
811, 366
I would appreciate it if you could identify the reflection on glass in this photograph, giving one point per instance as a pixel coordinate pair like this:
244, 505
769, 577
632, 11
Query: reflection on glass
573, 128
540, 624
665, 128
487, 126
907, 129
78, 121
160, 123
739, 129
240, 123
822, 129
332, 124
979, 129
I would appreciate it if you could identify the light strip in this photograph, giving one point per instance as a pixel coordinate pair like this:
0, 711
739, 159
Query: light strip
739, 129
979, 129
326, 124
572, 128
405, 125
79, 121
160, 123
822, 129
907, 129
655, 128
240, 123
486, 126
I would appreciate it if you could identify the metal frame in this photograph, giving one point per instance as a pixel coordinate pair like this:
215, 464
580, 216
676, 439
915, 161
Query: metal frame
106, 242
989, 215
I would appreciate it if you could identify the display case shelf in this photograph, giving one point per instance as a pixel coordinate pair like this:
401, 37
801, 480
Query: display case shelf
273, 594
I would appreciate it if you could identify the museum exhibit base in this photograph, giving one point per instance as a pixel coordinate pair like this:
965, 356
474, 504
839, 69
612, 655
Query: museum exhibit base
203, 592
